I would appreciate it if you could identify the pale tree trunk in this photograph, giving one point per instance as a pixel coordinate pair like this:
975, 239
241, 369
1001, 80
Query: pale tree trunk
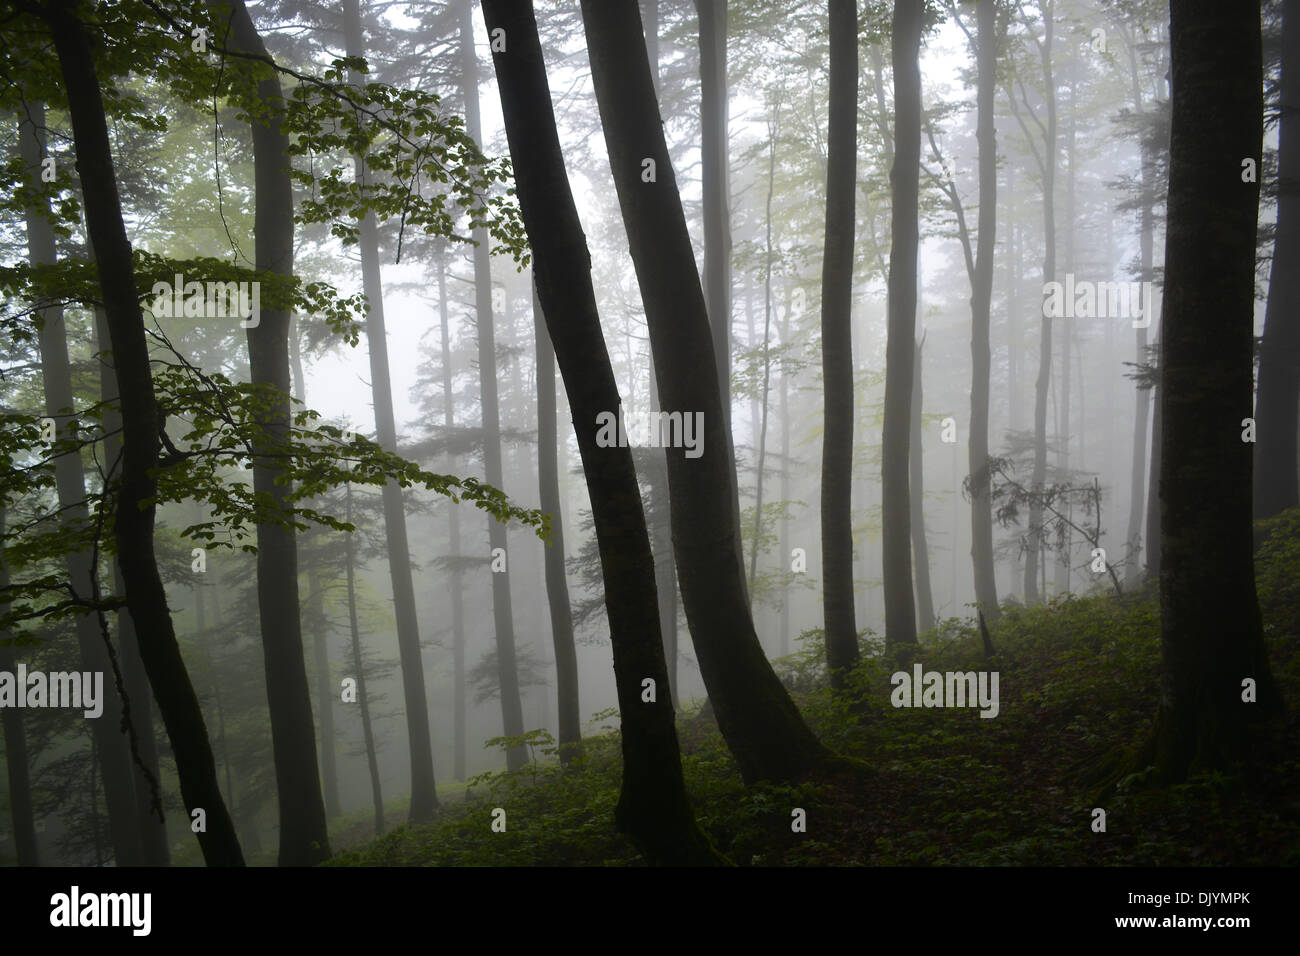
920, 545
424, 796
358, 665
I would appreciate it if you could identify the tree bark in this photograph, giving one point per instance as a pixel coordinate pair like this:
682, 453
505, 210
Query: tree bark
358, 664
141, 423
904, 177
653, 809
920, 545
304, 836
16, 760
837, 346
1211, 634
1278, 397
763, 728
557, 586
424, 796
986, 588
512, 714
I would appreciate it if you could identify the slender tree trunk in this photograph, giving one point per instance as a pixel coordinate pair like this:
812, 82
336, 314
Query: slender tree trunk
304, 836
1279, 355
1063, 430
900, 612
1142, 396
16, 760
148, 781
1043, 382
137, 487
367, 728
837, 346
512, 715
60, 405
762, 727
767, 359
920, 546
653, 809
424, 796
1211, 633
453, 534
986, 588
557, 587
1153, 549
784, 558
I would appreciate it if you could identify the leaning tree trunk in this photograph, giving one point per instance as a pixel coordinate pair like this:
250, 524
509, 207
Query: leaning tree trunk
653, 809
424, 797
1211, 635
56, 378
837, 346
304, 836
137, 487
762, 727
1279, 355
900, 612
512, 714
986, 588
557, 586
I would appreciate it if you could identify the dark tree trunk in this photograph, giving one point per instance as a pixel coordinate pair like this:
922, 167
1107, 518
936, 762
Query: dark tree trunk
920, 545
900, 612
653, 809
145, 596
837, 345
1279, 354
453, 536
424, 797
512, 714
304, 836
986, 588
762, 727
56, 378
148, 781
1153, 481
557, 586
16, 760
1211, 635
367, 729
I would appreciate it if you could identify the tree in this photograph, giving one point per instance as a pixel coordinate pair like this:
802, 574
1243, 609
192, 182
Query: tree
557, 587
424, 796
512, 714
900, 611
1278, 397
17, 769
1210, 631
763, 728
837, 345
304, 834
653, 808
137, 486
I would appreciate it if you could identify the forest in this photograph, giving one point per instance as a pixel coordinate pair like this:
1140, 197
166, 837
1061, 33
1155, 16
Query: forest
622, 433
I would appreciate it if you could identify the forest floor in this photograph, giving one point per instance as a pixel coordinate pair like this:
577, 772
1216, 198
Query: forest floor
1078, 682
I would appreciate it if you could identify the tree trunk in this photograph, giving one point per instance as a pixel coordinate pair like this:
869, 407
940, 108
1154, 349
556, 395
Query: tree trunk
653, 809
760, 416
1211, 634
304, 836
900, 612
986, 588
60, 405
16, 760
920, 545
146, 598
759, 721
557, 586
453, 535
1279, 355
837, 346
367, 729
424, 796
155, 846
784, 559
512, 714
